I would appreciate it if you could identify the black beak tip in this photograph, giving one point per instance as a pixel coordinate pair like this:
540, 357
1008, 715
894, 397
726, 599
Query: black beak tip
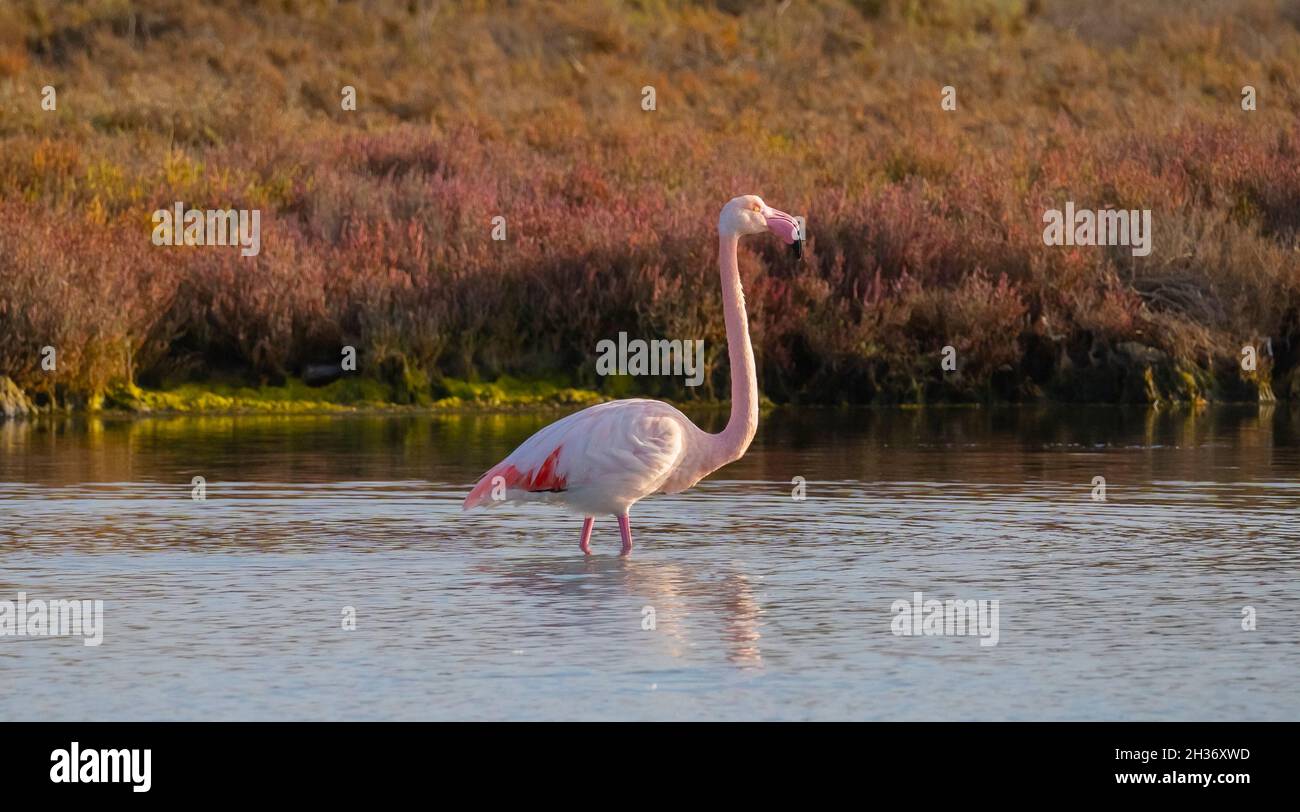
796, 248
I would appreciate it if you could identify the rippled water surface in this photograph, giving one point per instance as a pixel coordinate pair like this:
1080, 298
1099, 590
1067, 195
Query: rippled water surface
764, 606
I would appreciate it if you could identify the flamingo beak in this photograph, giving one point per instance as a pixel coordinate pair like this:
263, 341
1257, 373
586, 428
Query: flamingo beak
787, 228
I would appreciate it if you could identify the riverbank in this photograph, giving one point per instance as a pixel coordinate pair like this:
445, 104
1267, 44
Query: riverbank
1130, 375
457, 226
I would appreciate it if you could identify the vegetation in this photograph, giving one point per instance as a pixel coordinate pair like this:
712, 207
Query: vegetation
925, 225
294, 397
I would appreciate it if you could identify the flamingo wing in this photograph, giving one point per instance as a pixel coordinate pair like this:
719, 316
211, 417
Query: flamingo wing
599, 459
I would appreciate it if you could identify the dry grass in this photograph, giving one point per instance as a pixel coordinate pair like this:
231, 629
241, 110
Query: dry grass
926, 225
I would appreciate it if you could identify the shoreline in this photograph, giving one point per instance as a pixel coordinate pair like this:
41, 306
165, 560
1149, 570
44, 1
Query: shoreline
216, 405
1151, 385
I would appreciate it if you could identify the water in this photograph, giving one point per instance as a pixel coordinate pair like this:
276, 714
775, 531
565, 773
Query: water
765, 607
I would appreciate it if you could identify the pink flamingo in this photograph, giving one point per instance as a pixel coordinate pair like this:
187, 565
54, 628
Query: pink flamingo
604, 458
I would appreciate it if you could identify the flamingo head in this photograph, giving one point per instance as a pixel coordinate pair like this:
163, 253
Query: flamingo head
748, 214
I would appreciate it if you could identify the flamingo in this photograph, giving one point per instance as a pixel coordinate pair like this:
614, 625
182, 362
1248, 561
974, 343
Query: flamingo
604, 459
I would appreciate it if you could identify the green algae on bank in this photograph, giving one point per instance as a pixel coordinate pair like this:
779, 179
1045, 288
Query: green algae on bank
345, 395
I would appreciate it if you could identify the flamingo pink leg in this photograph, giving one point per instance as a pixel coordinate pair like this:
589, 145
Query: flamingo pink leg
625, 530
585, 544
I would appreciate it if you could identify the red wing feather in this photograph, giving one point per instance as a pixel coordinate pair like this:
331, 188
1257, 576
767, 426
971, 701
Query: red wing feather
543, 479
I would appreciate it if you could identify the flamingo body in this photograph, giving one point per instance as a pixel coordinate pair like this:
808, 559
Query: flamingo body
600, 460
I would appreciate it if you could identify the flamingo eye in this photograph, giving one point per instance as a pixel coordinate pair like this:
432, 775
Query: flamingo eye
756, 207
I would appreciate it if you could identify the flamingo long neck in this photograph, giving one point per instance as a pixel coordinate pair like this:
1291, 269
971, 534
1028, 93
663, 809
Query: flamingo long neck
730, 444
